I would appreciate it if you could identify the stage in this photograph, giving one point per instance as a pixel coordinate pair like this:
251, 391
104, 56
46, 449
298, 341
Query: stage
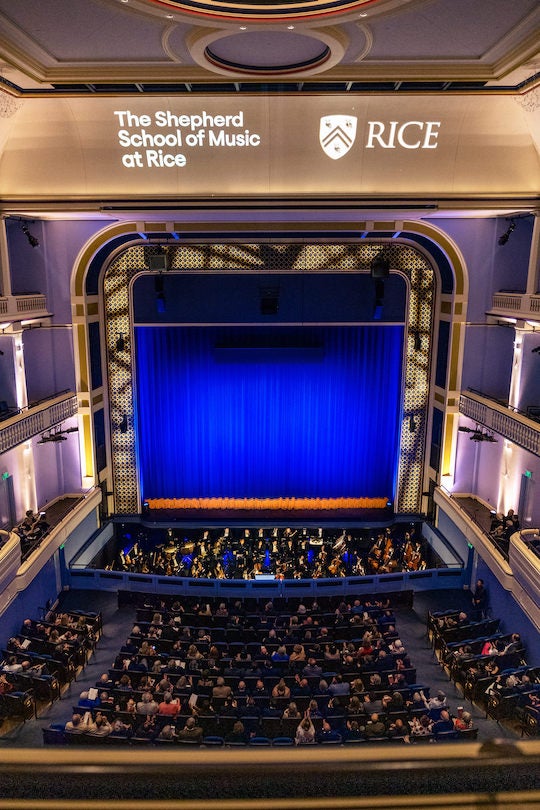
365, 517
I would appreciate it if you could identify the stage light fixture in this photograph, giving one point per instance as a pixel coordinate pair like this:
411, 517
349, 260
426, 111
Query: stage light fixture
417, 341
503, 239
412, 424
158, 263
124, 424
379, 300
380, 266
269, 300
120, 343
33, 241
478, 434
159, 289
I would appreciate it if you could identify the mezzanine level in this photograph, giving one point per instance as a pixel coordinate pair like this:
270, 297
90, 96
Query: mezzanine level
507, 422
517, 305
75, 520
36, 419
518, 572
23, 307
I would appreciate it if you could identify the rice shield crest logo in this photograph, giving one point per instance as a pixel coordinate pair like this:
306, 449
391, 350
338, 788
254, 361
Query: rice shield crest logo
337, 134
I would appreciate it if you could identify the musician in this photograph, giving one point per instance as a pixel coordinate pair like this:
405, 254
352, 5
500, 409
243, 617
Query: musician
389, 563
376, 553
358, 568
290, 541
341, 544
336, 568
408, 551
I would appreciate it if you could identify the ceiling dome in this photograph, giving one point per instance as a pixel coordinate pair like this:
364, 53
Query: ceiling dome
276, 10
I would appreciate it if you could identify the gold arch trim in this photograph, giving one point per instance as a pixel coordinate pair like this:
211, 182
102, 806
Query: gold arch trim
408, 492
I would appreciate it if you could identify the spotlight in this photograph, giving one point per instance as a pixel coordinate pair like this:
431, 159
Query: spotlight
33, 241
120, 343
412, 424
124, 424
478, 435
158, 263
417, 340
506, 235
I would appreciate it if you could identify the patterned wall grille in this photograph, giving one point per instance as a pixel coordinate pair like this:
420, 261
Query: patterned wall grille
283, 257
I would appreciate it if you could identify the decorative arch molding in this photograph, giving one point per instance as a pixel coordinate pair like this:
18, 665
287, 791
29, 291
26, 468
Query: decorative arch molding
129, 254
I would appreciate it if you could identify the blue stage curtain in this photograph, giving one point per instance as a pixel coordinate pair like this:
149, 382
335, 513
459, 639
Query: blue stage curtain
270, 422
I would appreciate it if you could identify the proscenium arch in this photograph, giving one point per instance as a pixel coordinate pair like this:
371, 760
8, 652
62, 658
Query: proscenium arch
109, 249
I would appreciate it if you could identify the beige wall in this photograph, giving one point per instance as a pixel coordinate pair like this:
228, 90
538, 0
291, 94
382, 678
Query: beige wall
69, 148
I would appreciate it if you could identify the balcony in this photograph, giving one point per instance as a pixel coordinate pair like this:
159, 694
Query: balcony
509, 423
65, 515
519, 573
516, 305
36, 419
23, 307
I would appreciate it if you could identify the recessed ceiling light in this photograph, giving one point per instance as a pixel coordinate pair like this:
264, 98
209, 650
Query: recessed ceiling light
124, 1
290, 27
363, 14
170, 16
243, 28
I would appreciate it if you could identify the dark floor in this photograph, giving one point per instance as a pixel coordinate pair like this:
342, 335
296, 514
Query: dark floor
286, 517
117, 624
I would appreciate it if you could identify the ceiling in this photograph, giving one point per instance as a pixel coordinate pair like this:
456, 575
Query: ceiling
80, 47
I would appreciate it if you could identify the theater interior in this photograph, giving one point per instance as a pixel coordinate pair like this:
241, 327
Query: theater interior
270, 335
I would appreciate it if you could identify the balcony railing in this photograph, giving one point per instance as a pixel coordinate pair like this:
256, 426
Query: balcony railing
510, 424
19, 307
516, 304
36, 419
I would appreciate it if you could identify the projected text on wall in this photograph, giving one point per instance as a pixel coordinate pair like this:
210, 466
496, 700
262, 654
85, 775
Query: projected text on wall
169, 140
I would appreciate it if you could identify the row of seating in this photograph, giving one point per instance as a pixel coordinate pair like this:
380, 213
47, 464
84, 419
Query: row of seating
58, 736
33, 671
503, 684
261, 716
